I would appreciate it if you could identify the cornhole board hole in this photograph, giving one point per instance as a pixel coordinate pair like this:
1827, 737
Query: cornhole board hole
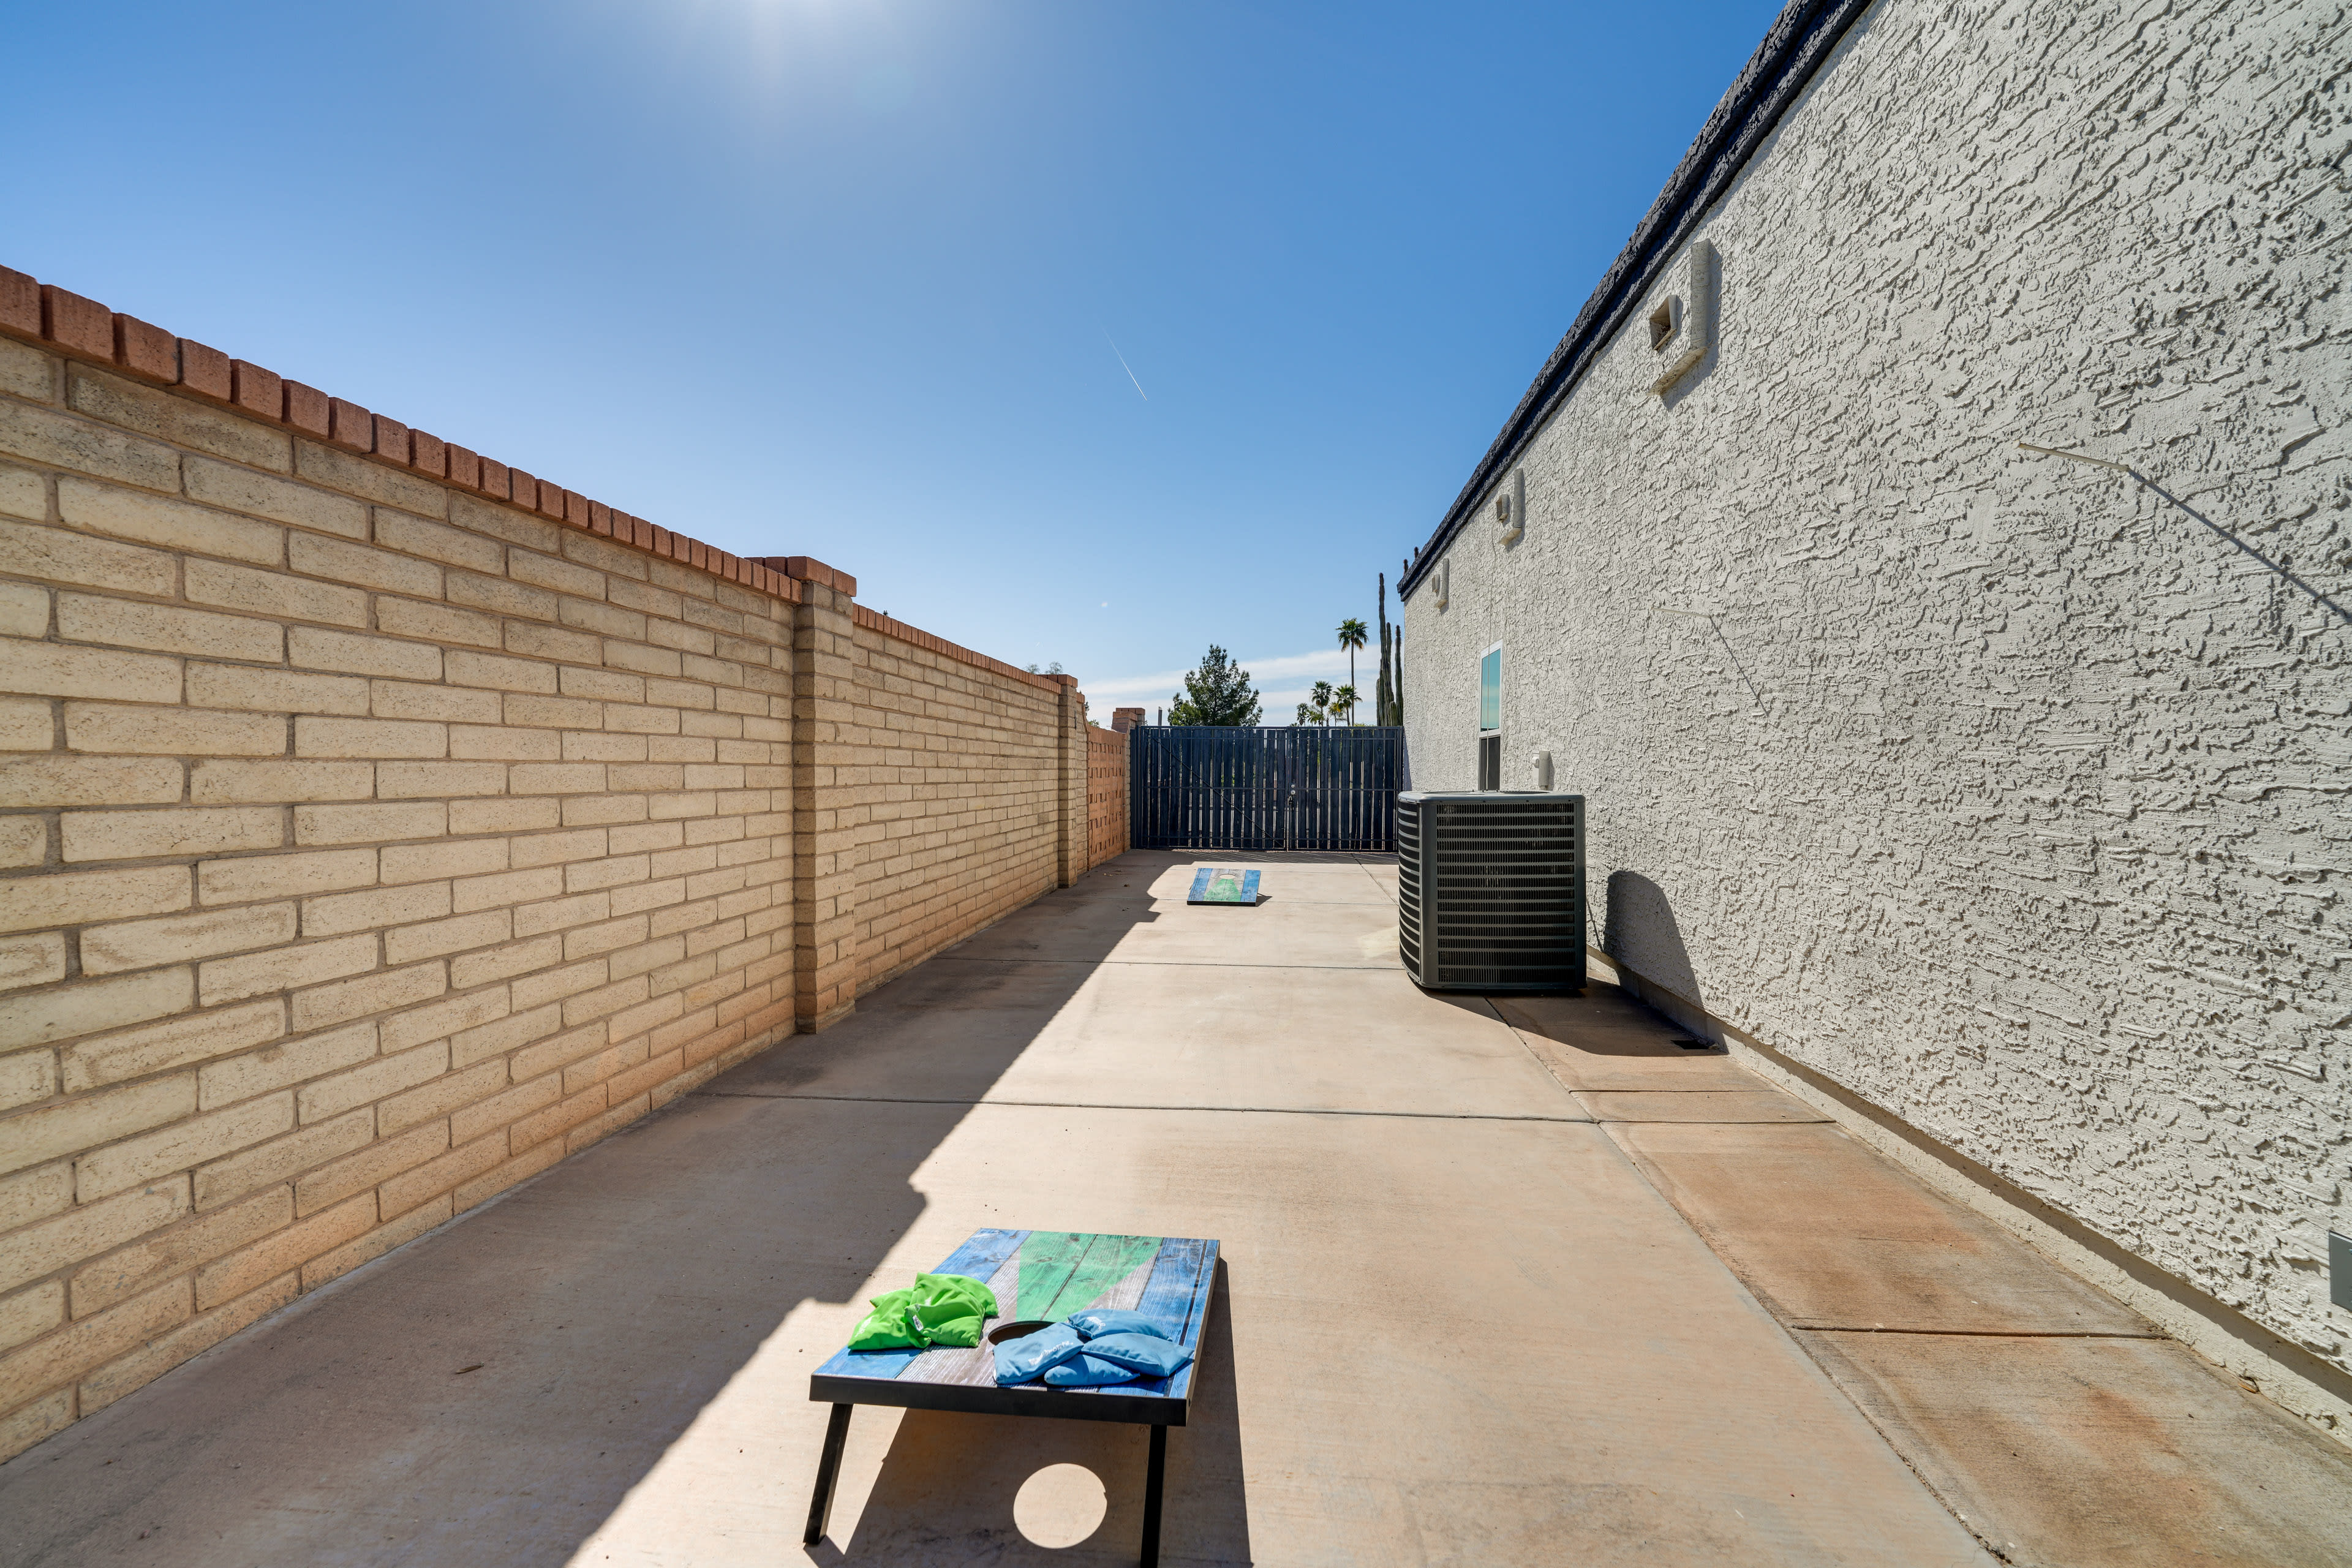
1040, 1276
1216, 885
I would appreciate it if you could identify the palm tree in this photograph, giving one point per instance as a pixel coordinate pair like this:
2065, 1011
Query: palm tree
1344, 701
1351, 637
1322, 697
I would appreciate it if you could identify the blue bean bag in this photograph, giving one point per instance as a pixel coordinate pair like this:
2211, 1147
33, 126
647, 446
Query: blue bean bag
1097, 1320
1021, 1359
1083, 1371
1146, 1355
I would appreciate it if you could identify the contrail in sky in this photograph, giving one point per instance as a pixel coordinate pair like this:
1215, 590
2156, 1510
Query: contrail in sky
1125, 367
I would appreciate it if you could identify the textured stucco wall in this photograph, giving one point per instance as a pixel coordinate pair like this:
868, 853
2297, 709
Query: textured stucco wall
1996, 789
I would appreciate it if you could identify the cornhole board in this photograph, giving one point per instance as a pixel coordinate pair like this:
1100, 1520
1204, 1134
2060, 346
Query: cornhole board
1038, 1276
1217, 885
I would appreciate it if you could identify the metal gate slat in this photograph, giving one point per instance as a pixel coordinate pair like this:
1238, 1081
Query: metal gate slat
1202, 787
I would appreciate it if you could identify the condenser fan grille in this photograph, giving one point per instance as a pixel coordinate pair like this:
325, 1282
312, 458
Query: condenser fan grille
1491, 891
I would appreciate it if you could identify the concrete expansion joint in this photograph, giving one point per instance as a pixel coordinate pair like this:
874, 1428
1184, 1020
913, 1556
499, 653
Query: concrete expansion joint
1982, 1333
1092, 1105
1155, 963
1682, 1089
2260, 1361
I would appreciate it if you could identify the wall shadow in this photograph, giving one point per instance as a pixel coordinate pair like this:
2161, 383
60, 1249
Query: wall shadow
946, 1488
1640, 929
1604, 1021
493, 1391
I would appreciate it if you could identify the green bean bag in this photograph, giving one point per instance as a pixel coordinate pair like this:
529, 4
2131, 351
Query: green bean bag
938, 1310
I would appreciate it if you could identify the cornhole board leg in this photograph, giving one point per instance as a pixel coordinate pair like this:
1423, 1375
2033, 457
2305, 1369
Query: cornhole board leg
1155, 1469
828, 1468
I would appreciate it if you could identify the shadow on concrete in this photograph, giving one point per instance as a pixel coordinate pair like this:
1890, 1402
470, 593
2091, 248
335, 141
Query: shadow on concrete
1605, 1021
946, 1490
1609, 1040
492, 1393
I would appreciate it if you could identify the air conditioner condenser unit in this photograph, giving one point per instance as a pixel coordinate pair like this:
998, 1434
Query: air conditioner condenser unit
1490, 890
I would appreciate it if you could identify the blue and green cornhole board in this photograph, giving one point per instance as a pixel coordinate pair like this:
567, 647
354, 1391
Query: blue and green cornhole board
1039, 1276
1218, 885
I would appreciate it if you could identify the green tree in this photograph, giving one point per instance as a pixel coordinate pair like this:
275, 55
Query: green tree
1218, 693
1351, 637
1322, 697
1343, 701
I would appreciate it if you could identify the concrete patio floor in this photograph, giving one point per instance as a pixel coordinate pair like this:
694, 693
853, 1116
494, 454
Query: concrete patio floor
1504, 1283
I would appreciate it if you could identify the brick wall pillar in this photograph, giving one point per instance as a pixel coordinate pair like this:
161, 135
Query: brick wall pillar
825, 848
1070, 860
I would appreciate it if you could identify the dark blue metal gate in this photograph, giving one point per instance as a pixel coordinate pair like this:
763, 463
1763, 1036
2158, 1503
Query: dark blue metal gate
1204, 787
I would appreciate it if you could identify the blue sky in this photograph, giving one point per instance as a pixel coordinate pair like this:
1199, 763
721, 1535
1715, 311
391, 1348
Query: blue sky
856, 280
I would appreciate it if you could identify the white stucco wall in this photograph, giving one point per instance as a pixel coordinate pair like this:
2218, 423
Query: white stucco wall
1998, 790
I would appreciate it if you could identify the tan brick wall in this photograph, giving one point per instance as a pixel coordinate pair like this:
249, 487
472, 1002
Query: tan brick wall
1106, 829
379, 824
957, 769
365, 847
824, 773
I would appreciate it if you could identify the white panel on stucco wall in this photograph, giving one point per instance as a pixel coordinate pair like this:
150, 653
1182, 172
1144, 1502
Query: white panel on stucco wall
1998, 790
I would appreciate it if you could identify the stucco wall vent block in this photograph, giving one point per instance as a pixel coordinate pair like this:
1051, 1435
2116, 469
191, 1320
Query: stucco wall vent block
1682, 329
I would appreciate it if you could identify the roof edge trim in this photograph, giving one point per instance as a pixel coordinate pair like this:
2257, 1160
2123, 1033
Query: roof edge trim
1798, 43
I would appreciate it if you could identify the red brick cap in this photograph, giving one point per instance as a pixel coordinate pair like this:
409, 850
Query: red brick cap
808, 569
464, 466
350, 426
392, 442
204, 371
20, 303
71, 321
84, 328
147, 351
874, 620
306, 408
255, 390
